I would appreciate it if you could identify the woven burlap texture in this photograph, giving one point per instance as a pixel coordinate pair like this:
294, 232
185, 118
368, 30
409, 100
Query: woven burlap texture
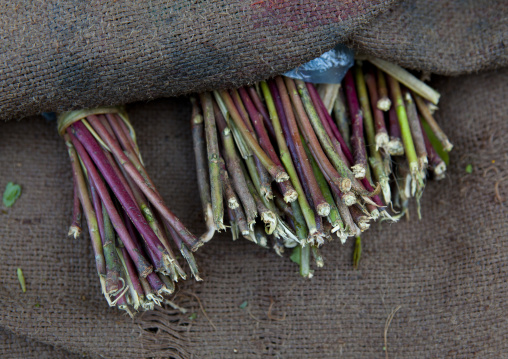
447, 271
78, 54
13, 346
445, 37
68, 55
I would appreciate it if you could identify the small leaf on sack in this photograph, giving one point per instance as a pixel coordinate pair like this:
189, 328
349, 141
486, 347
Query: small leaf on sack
469, 168
357, 252
11, 194
244, 305
295, 256
21, 279
193, 316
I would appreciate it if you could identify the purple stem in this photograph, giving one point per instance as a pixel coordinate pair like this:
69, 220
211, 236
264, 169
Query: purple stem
155, 257
132, 272
369, 188
141, 263
143, 182
357, 139
185, 252
260, 130
264, 140
379, 117
394, 124
155, 282
120, 301
120, 191
323, 116
120, 135
328, 119
262, 110
97, 206
295, 146
433, 156
264, 176
127, 134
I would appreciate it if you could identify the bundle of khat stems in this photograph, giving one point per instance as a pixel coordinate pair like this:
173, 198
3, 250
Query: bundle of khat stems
131, 229
287, 164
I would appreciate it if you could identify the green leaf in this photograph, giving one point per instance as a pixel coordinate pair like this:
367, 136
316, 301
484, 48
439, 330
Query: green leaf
295, 256
21, 279
435, 142
11, 194
193, 316
244, 305
357, 253
469, 168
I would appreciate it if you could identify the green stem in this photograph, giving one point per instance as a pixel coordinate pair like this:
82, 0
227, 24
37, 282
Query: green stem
376, 161
90, 215
170, 262
75, 228
351, 228
404, 77
233, 163
229, 194
285, 157
267, 215
299, 221
241, 222
113, 264
305, 262
427, 115
334, 216
405, 130
136, 293
319, 130
233, 223
275, 171
213, 160
318, 258
199, 144
357, 252
278, 228
416, 132
244, 149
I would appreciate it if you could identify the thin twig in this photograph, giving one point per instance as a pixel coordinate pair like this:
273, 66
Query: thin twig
269, 313
387, 325
201, 307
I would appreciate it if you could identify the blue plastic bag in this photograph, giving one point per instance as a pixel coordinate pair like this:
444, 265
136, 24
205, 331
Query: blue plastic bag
329, 68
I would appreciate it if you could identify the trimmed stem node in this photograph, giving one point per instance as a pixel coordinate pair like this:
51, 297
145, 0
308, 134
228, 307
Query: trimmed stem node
384, 104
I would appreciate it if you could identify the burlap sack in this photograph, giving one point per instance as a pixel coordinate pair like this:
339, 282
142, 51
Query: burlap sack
444, 37
447, 271
13, 346
63, 55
